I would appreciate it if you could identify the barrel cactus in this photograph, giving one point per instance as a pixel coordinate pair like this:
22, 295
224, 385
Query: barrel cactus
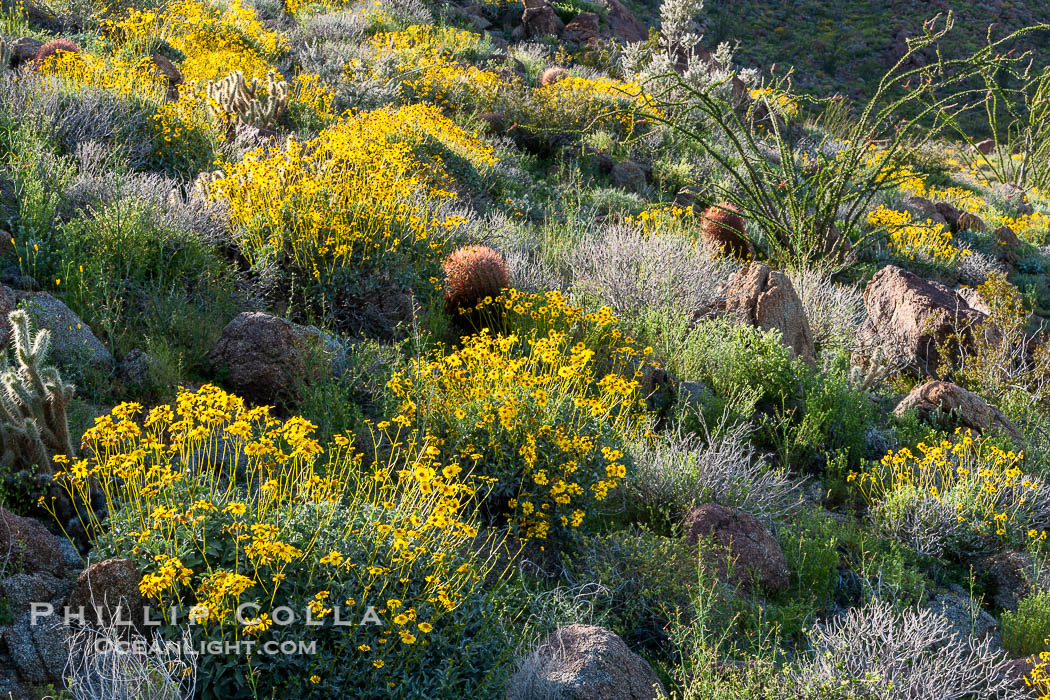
472, 273
53, 47
726, 229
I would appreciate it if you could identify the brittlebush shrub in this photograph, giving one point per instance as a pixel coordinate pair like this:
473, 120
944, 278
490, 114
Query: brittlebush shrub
366, 195
542, 409
994, 503
221, 505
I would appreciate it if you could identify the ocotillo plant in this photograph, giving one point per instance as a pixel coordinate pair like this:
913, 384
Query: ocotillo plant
33, 401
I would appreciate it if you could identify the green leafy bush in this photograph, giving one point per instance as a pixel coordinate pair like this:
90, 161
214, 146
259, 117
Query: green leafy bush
1026, 630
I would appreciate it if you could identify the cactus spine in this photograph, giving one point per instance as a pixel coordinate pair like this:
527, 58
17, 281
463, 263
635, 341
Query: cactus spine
33, 401
258, 103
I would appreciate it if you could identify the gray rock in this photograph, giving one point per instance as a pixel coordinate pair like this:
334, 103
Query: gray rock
583, 662
966, 616
72, 341
21, 590
136, 368
37, 651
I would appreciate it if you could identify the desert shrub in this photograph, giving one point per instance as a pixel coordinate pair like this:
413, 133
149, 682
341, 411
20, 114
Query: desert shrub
223, 506
993, 501
921, 520
743, 366
365, 195
677, 472
104, 663
634, 272
126, 269
835, 311
73, 114
801, 412
535, 414
435, 63
876, 652
1026, 629
648, 577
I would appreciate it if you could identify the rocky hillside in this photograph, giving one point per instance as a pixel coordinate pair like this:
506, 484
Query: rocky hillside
481, 349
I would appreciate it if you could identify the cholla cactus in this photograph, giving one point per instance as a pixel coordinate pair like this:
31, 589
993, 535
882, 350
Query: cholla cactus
33, 400
6, 53
259, 103
473, 273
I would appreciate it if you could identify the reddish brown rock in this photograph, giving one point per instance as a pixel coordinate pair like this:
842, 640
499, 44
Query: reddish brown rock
743, 551
622, 24
763, 298
582, 28
985, 147
24, 50
28, 546
264, 358
584, 662
109, 590
937, 398
916, 320
970, 222
540, 19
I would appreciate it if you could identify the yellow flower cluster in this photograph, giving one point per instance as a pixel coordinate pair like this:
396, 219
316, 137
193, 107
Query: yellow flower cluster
781, 102
127, 79
983, 483
428, 53
576, 103
353, 193
915, 240
1038, 678
210, 480
535, 411
662, 218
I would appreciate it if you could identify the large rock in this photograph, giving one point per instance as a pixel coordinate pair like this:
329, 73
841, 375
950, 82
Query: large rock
109, 590
966, 616
922, 210
540, 19
766, 299
583, 28
743, 552
629, 176
72, 341
1010, 577
622, 24
916, 320
265, 359
936, 398
34, 652
24, 50
32, 549
583, 662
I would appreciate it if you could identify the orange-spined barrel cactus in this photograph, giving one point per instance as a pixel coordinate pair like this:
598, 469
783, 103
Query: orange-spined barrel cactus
553, 75
725, 228
472, 273
55, 46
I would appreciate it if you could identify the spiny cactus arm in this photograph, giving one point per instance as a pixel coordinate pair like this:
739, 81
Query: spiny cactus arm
36, 452
59, 394
10, 410
32, 405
